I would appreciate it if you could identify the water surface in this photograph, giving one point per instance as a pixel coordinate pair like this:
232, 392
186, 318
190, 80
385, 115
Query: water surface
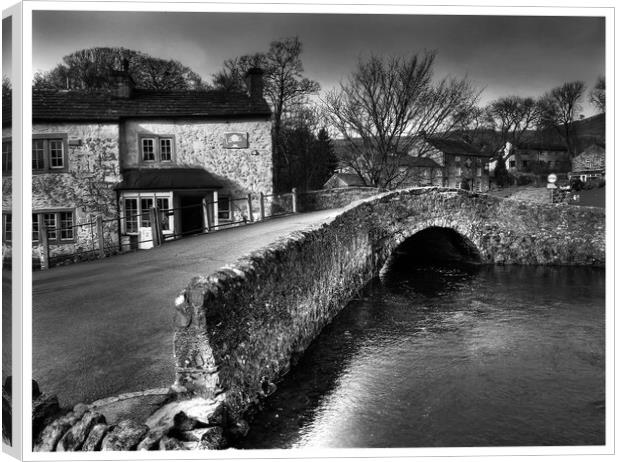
445, 356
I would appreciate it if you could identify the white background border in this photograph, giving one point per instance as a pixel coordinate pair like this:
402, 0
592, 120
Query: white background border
551, 8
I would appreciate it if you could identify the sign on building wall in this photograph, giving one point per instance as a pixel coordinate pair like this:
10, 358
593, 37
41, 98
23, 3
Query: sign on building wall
236, 140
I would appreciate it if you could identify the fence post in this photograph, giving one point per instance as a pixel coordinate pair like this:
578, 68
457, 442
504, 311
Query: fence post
206, 216
100, 236
294, 196
154, 217
250, 213
43, 242
261, 204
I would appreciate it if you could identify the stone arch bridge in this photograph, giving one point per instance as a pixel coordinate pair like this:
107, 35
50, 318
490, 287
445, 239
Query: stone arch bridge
251, 320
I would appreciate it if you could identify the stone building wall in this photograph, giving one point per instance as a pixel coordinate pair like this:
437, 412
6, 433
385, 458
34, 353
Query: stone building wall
593, 159
86, 188
201, 144
252, 319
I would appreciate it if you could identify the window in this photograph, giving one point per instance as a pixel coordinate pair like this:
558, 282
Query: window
163, 204
35, 227
145, 217
51, 224
60, 226
478, 171
165, 149
223, 208
49, 154
459, 171
148, 149
512, 164
66, 226
131, 215
7, 160
157, 149
136, 210
7, 227
457, 159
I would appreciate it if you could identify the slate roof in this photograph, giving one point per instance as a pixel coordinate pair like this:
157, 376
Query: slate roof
350, 179
65, 105
456, 147
421, 162
167, 179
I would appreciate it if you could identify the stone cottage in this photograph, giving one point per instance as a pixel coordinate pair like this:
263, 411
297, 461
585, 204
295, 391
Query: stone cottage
589, 164
539, 157
118, 153
463, 165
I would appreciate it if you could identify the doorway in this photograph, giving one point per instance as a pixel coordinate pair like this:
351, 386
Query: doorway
191, 215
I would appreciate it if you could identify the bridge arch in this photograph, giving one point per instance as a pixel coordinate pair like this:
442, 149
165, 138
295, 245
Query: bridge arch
247, 321
434, 244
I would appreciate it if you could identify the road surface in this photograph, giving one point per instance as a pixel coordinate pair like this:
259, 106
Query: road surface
105, 327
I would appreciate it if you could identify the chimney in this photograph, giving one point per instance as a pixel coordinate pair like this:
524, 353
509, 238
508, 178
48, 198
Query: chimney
254, 83
122, 84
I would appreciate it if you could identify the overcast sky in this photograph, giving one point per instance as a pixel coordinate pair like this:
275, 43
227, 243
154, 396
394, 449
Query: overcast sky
502, 54
7, 29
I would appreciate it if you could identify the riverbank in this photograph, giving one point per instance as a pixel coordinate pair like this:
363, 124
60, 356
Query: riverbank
587, 198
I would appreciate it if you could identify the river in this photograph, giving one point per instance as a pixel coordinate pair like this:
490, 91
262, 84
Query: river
446, 356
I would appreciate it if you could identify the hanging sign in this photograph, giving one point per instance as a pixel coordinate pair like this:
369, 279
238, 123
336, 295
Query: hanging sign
235, 140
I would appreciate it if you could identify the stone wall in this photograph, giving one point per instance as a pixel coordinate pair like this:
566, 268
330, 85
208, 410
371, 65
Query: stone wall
251, 320
201, 144
324, 199
86, 188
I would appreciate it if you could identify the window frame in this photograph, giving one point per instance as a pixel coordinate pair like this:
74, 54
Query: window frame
7, 218
57, 239
47, 153
138, 197
7, 169
157, 139
228, 211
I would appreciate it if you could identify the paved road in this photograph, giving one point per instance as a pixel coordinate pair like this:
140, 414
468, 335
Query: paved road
105, 327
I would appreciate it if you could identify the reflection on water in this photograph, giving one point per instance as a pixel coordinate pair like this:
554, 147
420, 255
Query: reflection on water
470, 356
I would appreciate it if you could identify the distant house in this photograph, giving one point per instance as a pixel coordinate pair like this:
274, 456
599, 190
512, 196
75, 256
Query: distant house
463, 165
540, 156
419, 171
343, 180
589, 164
117, 154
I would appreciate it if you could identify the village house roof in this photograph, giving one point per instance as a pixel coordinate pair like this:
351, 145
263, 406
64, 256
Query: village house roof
154, 179
346, 179
456, 147
101, 106
419, 162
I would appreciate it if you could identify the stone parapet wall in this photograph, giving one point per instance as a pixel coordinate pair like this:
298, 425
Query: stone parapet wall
323, 199
251, 320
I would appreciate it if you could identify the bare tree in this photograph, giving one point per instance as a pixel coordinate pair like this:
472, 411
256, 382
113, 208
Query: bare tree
561, 107
597, 94
510, 118
286, 89
387, 107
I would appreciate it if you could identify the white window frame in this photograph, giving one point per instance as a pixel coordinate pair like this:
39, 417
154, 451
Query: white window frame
220, 201
157, 143
139, 196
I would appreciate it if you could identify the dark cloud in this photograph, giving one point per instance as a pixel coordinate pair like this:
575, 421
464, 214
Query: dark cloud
503, 54
7, 40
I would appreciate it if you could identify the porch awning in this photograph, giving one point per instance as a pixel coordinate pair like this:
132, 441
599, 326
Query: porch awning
167, 179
